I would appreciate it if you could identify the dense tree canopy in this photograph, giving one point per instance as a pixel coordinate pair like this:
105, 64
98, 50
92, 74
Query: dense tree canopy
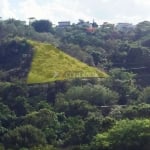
42, 26
124, 135
80, 114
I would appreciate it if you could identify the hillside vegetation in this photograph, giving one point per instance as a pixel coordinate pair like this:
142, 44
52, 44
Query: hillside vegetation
65, 112
51, 64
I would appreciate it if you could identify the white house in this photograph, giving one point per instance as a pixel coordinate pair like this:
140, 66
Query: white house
124, 27
63, 24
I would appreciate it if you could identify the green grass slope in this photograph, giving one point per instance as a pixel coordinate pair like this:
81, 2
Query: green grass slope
51, 64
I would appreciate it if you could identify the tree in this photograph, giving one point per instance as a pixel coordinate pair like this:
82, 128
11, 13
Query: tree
73, 131
25, 136
45, 120
125, 135
146, 42
14, 96
145, 95
75, 108
138, 57
5, 112
94, 94
42, 26
94, 24
136, 111
123, 83
42, 119
142, 29
93, 125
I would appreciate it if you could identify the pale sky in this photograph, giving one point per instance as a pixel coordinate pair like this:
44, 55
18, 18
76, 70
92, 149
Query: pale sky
113, 11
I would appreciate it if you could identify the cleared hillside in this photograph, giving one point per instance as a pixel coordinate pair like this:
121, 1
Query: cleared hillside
51, 64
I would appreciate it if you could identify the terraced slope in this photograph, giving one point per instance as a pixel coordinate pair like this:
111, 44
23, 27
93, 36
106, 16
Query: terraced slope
51, 64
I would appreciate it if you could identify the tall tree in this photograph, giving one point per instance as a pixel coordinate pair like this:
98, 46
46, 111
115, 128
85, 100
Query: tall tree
42, 26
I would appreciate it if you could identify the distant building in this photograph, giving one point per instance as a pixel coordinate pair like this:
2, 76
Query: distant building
84, 24
107, 25
64, 24
124, 27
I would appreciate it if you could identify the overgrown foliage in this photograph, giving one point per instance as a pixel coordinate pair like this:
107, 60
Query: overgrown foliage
79, 114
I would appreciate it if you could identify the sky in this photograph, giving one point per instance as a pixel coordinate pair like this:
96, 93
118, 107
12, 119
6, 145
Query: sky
112, 11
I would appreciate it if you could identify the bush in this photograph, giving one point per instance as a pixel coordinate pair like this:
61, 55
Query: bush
125, 135
145, 95
97, 94
25, 136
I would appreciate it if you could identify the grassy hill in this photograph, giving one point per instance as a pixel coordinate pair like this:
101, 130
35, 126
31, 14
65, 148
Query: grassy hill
51, 64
